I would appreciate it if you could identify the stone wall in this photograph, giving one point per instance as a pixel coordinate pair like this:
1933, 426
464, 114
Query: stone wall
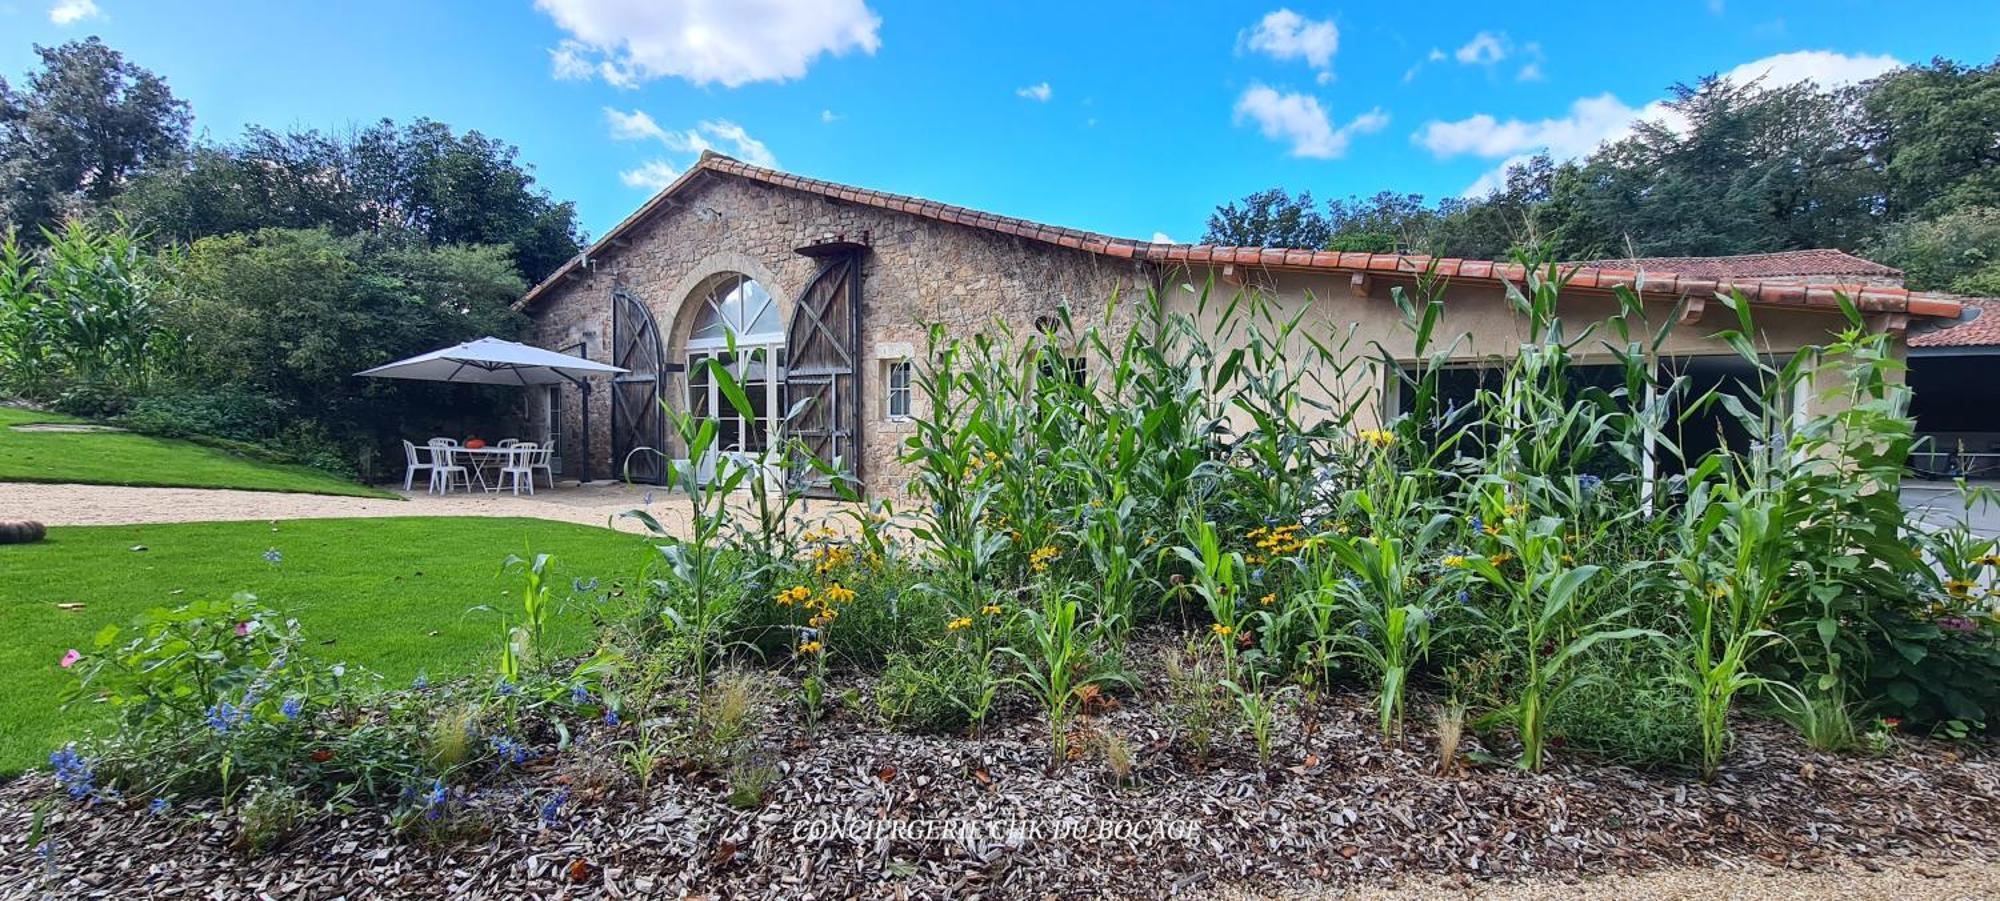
919, 271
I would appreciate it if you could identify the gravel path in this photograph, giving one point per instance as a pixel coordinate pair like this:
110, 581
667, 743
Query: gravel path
1897, 882
97, 505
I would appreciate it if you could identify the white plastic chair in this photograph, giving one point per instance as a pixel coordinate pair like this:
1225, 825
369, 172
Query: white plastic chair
519, 468
544, 461
444, 465
411, 463
507, 442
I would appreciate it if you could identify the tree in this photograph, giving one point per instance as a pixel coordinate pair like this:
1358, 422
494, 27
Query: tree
1936, 129
1958, 251
1385, 223
1270, 218
414, 185
79, 130
291, 314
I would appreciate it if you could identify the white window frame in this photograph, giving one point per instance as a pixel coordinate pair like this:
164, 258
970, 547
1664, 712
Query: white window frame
892, 392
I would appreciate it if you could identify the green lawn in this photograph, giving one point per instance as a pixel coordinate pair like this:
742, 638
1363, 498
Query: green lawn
124, 458
388, 594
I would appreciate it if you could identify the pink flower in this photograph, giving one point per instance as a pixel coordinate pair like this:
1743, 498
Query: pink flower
243, 628
71, 658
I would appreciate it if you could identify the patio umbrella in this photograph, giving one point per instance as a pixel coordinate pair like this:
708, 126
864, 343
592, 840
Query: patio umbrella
491, 361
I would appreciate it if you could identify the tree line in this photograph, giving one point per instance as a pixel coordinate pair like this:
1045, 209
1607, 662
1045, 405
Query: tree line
228, 289
1903, 169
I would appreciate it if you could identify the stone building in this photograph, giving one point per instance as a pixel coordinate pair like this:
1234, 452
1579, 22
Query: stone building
809, 289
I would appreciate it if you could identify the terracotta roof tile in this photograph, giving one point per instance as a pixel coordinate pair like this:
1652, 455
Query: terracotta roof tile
1744, 274
1822, 262
1980, 327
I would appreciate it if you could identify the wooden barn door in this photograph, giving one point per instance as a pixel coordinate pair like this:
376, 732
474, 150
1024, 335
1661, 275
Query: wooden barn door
636, 418
823, 375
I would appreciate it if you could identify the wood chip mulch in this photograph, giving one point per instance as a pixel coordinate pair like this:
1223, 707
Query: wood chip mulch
1337, 808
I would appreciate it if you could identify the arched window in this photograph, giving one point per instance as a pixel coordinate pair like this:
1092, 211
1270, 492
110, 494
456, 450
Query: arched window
734, 303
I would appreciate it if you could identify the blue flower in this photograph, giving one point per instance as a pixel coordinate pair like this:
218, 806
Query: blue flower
551, 810
583, 587
1588, 482
579, 695
224, 716
274, 556
1464, 597
509, 750
159, 806
610, 717
507, 688
421, 682
72, 772
1477, 523
435, 799
290, 709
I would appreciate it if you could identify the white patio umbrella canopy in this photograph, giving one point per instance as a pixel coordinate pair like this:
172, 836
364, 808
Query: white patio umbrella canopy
491, 361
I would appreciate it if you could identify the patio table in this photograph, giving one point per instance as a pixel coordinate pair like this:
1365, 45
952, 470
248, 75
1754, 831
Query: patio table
482, 459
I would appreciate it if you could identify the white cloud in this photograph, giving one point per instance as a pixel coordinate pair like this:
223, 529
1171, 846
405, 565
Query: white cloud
829, 117
1299, 120
633, 126
1485, 49
1037, 92
1591, 121
66, 12
1823, 67
720, 135
730, 42
654, 176
1286, 35
741, 144
1161, 238
1436, 56
1530, 72
1594, 121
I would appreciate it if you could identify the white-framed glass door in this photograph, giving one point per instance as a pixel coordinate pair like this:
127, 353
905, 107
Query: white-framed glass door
760, 371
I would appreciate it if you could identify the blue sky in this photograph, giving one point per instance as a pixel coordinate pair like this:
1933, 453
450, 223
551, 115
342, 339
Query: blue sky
1127, 118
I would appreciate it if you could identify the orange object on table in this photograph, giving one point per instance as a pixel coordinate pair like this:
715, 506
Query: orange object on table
475, 443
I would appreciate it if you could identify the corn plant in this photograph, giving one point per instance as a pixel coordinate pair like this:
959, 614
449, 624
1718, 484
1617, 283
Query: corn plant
1392, 591
1058, 664
1544, 624
695, 598
1733, 577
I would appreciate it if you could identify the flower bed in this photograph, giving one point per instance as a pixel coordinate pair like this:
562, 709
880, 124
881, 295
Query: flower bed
1177, 624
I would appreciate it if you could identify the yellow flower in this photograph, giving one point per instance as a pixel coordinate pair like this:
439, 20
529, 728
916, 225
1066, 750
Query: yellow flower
1567, 558
1988, 559
1958, 588
1268, 600
1221, 630
1490, 529
1038, 560
1515, 509
1377, 438
959, 623
810, 647
1454, 561
1502, 558
839, 594
991, 610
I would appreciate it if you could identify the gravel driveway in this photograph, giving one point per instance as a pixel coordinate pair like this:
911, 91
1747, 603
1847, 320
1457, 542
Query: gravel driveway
95, 505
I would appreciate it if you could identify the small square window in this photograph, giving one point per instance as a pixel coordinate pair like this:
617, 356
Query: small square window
896, 403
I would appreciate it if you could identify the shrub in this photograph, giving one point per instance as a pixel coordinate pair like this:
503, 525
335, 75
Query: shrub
1630, 708
234, 412
932, 693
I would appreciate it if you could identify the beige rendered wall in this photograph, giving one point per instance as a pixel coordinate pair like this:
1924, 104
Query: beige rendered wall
1477, 324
